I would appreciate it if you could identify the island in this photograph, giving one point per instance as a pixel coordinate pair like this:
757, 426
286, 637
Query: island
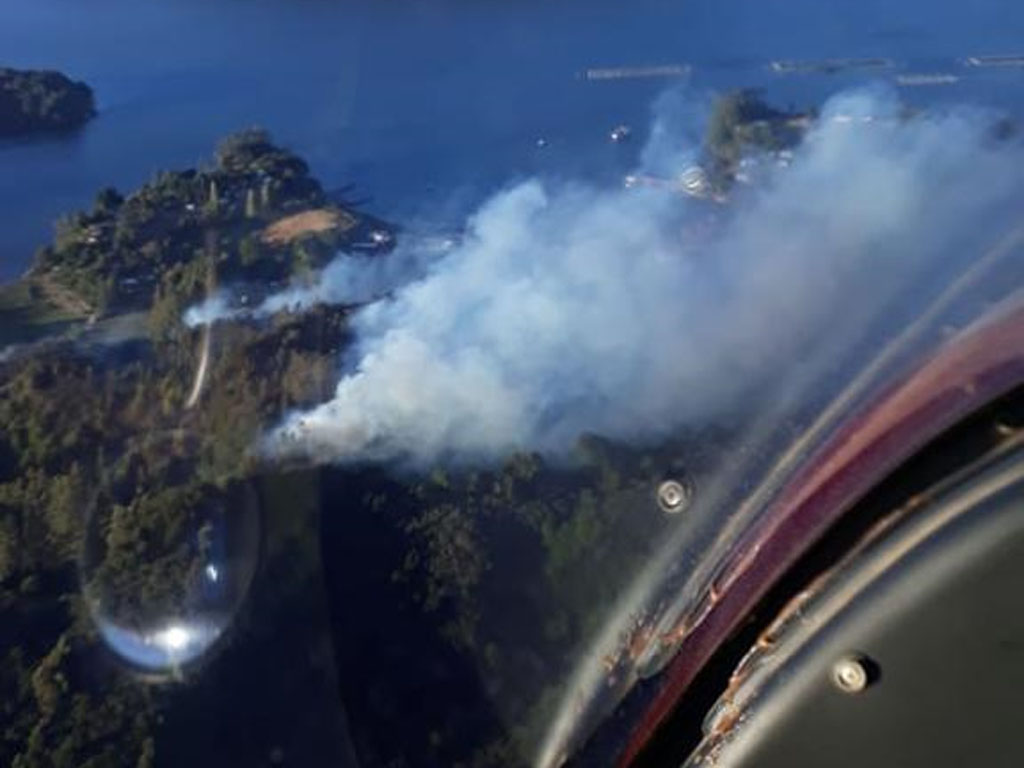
121, 479
829, 66
36, 101
252, 215
743, 137
742, 127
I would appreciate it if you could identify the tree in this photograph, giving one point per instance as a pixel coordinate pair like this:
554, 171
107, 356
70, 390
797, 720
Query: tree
107, 201
249, 251
731, 113
302, 261
265, 192
67, 230
448, 547
49, 683
250, 203
213, 199
238, 150
164, 319
9, 546
64, 512
147, 756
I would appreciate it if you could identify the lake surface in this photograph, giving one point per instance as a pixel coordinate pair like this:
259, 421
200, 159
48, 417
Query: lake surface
425, 107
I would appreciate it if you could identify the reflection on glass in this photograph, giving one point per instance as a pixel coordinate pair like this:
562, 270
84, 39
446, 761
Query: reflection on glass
165, 575
160, 650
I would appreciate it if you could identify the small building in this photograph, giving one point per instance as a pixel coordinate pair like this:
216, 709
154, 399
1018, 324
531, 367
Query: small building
620, 133
92, 234
694, 181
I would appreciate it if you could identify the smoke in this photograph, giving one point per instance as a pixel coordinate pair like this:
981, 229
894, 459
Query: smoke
570, 309
676, 132
215, 308
350, 279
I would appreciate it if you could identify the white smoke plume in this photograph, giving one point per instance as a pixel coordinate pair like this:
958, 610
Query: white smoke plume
351, 279
215, 308
571, 309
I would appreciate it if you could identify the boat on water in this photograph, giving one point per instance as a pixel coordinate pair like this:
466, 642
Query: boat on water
937, 78
628, 73
620, 133
995, 61
829, 66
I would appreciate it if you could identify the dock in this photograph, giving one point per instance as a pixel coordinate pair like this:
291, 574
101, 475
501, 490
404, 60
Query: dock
633, 73
995, 61
829, 66
938, 78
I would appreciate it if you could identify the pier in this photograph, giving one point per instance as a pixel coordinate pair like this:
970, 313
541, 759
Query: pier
632, 73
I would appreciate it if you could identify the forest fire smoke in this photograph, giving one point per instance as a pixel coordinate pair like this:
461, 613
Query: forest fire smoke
570, 308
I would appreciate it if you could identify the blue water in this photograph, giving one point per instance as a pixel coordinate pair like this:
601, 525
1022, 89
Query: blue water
425, 107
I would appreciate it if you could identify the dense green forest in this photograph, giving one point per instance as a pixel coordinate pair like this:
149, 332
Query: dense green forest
158, 242
472, 590
95, 445
106, 476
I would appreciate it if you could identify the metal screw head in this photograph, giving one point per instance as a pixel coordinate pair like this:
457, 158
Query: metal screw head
850, 674
674, 496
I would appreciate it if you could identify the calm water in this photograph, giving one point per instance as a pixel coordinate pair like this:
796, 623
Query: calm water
426, 106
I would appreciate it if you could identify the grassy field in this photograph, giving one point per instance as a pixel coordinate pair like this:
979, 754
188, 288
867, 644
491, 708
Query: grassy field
284, 231
24, 318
